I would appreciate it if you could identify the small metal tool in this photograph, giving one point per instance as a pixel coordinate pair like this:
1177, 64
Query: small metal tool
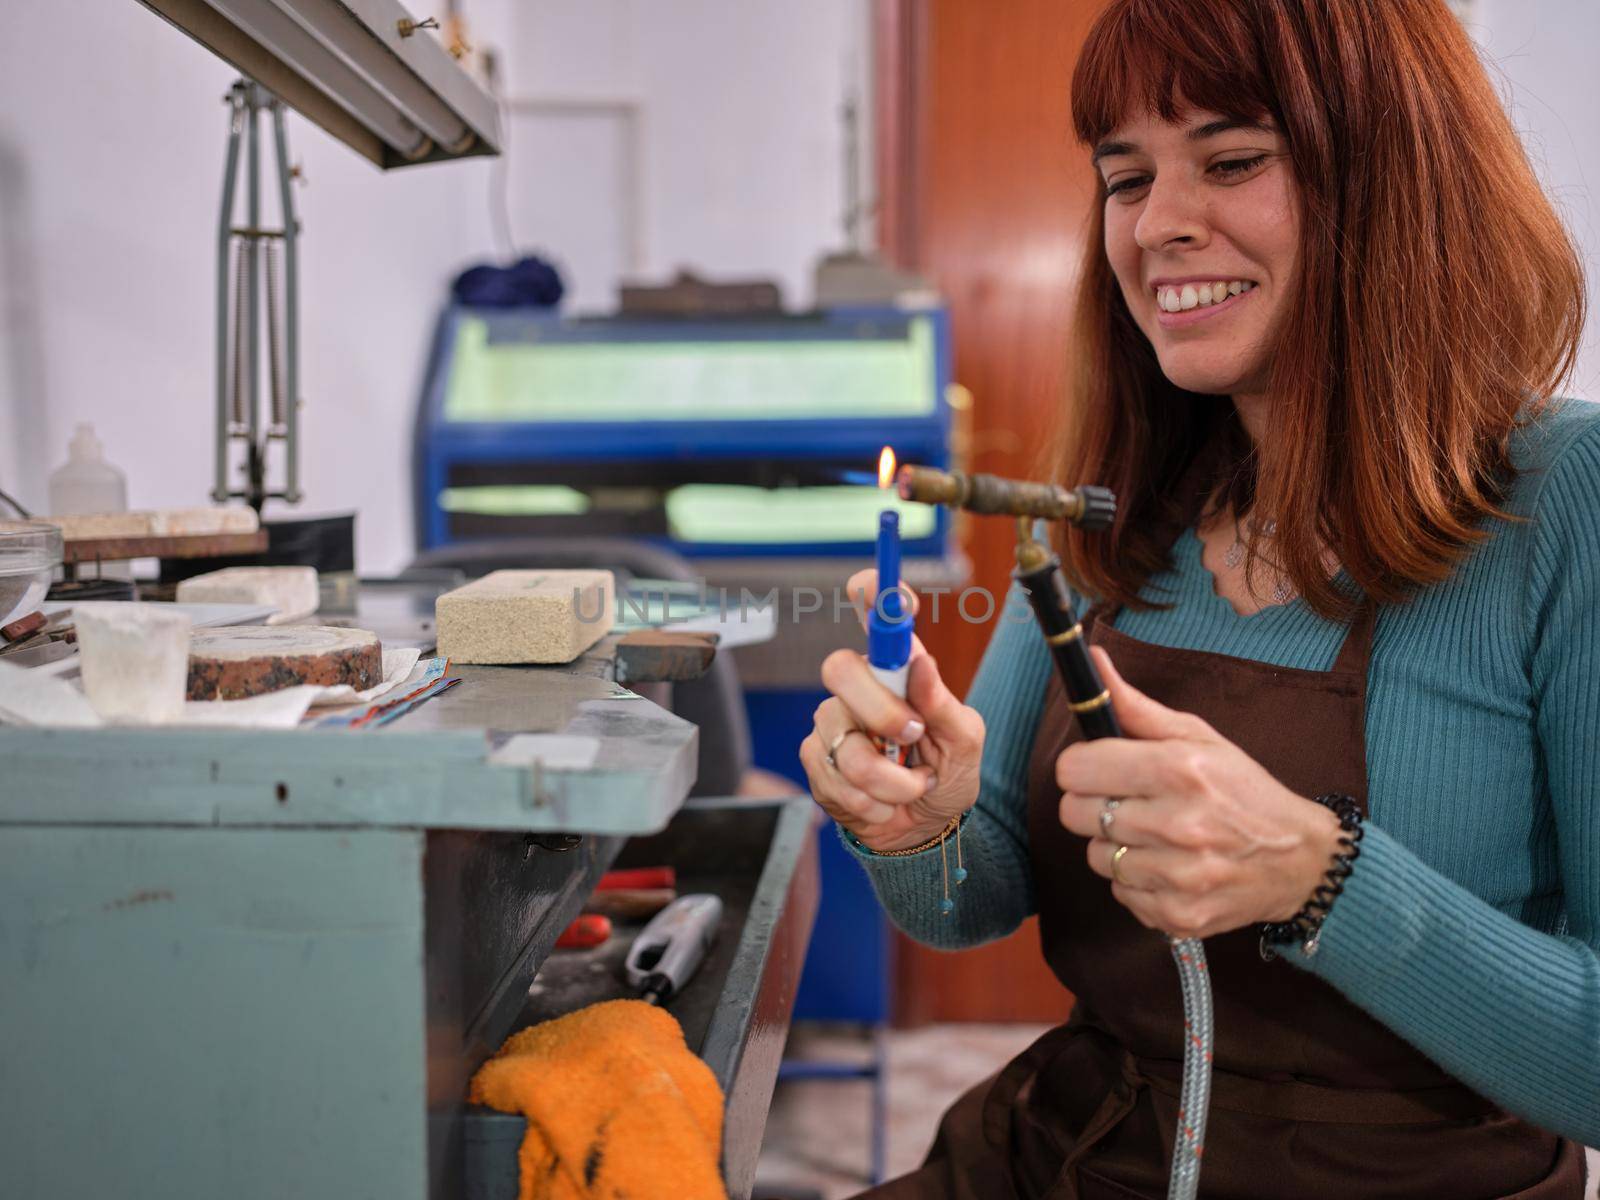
670, 949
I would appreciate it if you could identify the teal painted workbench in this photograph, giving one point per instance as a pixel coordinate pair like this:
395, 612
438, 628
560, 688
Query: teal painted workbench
264, 965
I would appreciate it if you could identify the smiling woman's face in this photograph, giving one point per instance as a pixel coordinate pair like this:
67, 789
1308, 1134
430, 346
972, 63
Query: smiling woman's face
1202, 229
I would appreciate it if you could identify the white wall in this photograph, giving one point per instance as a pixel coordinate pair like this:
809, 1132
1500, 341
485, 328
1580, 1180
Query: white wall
1544, 52
740, 145
111, 140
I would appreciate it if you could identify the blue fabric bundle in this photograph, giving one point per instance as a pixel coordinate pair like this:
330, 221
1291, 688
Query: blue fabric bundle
527, 283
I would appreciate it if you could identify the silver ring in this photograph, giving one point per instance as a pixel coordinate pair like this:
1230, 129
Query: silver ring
834, 746
1108, 814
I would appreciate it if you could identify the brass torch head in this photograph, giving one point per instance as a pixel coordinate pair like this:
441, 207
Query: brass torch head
929, 485
1087, 507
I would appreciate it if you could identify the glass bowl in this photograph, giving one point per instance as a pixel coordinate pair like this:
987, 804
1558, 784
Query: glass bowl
30, 552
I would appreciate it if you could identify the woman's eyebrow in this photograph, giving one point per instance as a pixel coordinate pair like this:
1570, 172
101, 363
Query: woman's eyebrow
1110, 150
1226, 125
1198, 134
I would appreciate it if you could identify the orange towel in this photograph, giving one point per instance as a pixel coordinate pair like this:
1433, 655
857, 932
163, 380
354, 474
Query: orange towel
616, 1106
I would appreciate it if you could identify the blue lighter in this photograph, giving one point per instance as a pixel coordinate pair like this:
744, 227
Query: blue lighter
890, 625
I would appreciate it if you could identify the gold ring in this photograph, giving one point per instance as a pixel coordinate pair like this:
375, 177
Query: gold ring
1116, 861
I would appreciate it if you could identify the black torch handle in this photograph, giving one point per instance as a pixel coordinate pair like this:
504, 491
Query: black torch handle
1052, 605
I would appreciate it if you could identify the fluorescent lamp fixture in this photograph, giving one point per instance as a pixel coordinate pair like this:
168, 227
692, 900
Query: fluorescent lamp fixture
359, 68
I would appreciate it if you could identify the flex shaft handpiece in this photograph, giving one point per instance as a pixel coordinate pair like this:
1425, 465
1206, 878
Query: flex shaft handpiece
1039, 573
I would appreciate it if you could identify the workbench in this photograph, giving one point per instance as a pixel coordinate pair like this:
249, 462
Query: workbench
266, 963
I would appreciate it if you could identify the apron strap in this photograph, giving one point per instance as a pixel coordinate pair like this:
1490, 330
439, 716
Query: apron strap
1356, 651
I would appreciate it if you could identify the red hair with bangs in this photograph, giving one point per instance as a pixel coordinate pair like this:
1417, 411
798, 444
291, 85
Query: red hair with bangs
1392, 407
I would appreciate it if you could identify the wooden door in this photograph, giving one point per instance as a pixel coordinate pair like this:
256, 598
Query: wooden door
984, 190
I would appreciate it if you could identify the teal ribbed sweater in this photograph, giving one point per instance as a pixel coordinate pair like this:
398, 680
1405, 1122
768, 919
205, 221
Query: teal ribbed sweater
1472, 922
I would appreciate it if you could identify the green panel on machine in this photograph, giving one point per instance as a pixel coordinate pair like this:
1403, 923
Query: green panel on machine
711, 513
787, 379
716, 513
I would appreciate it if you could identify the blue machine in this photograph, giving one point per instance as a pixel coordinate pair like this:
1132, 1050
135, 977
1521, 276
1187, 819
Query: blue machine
534, 424
724, 439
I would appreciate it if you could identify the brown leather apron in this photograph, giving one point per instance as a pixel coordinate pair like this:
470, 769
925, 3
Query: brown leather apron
1311, 1098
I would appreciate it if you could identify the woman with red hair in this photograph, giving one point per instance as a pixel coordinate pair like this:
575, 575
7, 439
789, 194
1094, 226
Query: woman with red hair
1346, 617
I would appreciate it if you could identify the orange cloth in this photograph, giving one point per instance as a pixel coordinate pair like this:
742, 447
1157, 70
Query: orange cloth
616, 1106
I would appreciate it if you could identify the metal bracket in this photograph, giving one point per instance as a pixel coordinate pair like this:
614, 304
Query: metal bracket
248, 296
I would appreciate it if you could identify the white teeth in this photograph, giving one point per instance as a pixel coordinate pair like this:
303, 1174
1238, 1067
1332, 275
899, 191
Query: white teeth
1180, 299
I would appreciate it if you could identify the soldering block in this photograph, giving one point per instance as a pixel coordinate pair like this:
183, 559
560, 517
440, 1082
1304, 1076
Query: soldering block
84, 527
203, 522
290, 590
525, 616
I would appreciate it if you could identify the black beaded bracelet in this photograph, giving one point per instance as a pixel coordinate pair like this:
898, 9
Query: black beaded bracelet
1305, 926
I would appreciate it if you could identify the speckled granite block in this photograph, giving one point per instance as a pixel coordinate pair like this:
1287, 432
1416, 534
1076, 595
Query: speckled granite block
525, 616
250, 660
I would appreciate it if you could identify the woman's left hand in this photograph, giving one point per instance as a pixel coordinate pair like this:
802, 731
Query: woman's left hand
1215, 842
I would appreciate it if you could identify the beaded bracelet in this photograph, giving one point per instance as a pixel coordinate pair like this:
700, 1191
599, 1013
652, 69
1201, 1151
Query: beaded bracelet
1305, 926
957, 823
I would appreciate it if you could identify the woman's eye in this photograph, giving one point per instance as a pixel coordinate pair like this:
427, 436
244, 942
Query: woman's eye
1127, 184
1232, 168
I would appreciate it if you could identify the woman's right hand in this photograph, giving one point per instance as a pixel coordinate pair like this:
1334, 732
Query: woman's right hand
887, 806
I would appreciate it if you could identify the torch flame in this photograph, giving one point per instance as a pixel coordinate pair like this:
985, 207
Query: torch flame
886, 467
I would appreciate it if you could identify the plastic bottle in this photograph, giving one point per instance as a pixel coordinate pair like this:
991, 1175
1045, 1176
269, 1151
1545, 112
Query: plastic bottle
87, 483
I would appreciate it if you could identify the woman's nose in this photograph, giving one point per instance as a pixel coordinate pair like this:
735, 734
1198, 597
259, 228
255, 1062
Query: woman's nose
1174, 214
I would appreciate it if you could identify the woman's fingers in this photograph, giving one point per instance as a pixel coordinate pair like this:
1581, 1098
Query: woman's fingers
1136, 869
860, 763
862, 588
1124, 767
1136, 821
1081, 815
864, 766
839, 798
846, 674
956, 726
1140, 716
1143, 868
1176, 892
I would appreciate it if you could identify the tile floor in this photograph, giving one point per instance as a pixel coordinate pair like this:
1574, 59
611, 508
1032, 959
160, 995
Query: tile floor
818, 1132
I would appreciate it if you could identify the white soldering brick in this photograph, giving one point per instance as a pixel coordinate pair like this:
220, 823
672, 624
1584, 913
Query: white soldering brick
525, 616
194, 522
291, 590
84, 527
